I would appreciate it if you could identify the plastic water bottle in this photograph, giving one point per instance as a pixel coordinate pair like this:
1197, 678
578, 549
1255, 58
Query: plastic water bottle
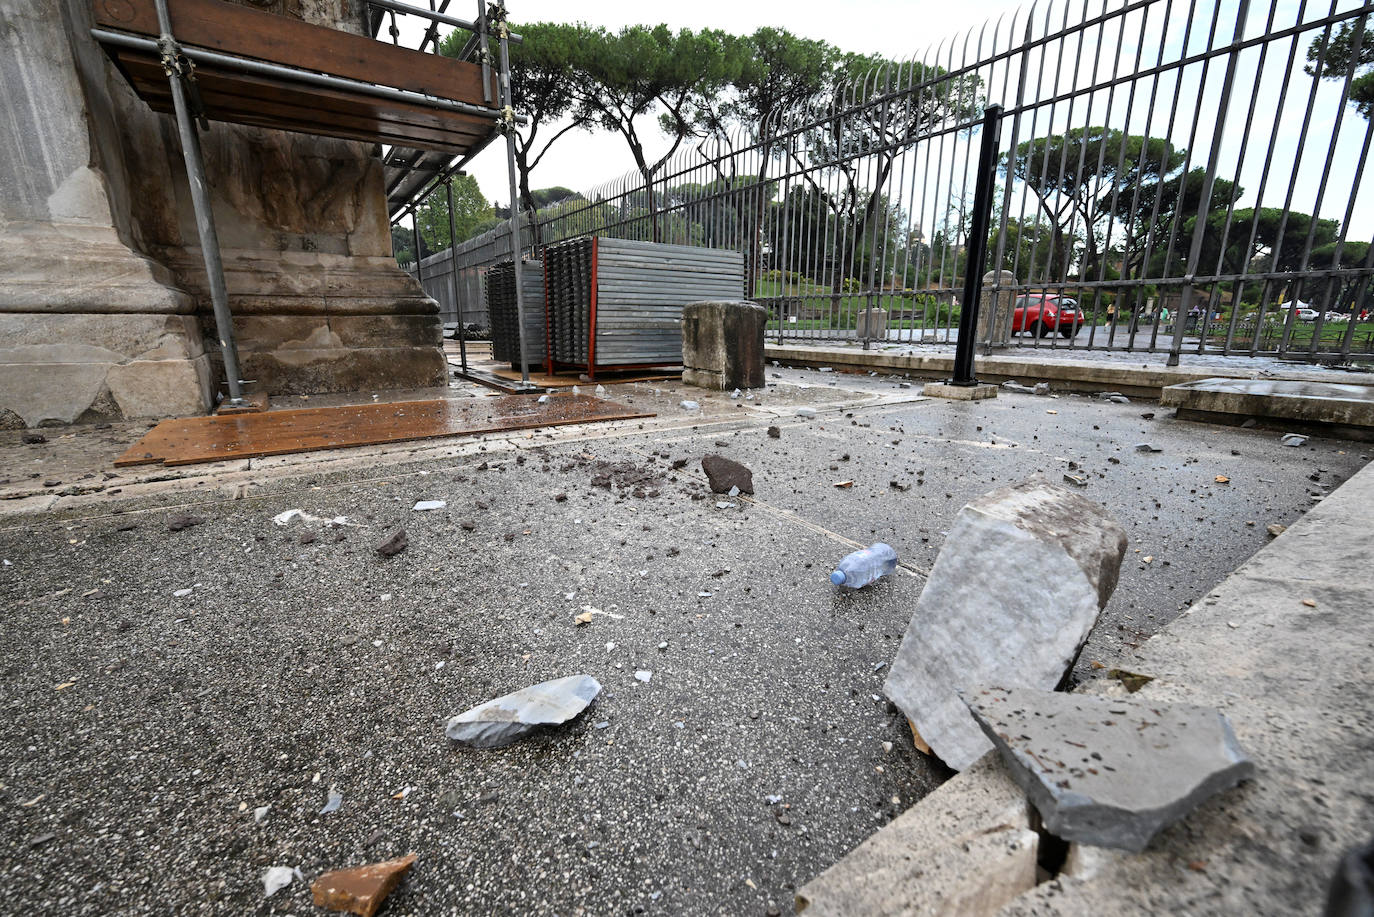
863, 567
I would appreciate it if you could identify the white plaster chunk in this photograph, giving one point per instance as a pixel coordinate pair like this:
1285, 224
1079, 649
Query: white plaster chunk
1011, 600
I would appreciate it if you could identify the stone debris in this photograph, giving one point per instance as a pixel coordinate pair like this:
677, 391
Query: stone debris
512, 716
774, 432
335, 800
182, 521
423, 505
34, 439
275, 878
1275, 530
806, 412
1077, 480
1013, 595
1011, 386
1041, 388
644, 675
725, 475
1148, 447
1293, 439
1111, 772
689, 405
361, 889
394, 544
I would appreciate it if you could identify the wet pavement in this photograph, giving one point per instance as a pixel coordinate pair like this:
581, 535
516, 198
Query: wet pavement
148, 726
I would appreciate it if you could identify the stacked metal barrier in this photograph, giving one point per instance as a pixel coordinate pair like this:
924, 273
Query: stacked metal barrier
504, 317
618, 303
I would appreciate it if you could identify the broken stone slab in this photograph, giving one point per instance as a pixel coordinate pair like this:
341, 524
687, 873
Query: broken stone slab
1112, 772
725, 474
1012, 386
1013, 595
1148, 447
503, 720
1293, 439
361, 889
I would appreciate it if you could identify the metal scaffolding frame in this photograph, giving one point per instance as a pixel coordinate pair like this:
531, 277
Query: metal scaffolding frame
178, 62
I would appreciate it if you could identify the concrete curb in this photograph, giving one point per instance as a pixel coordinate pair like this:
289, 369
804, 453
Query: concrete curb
1142, 381
1282, 647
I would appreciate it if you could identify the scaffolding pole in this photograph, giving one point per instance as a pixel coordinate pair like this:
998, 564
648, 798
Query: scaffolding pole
178, 67
508, 122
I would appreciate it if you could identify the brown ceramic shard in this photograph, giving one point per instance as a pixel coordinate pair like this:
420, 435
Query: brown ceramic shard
361, 889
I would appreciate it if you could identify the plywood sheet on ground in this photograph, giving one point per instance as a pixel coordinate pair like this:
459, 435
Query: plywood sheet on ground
190, 440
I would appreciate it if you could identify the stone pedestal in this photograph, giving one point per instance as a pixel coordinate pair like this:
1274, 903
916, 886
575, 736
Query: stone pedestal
872, 324
995, 309
722, 344
104, 310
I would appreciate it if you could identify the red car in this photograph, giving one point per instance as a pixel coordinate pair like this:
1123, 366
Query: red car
1042, 314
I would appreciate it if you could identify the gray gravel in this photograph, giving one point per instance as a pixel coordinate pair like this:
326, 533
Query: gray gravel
292, 668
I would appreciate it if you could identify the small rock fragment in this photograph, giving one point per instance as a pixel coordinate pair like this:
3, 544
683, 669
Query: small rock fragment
1076, 479
774, 433
512, 716
423, 505
1148, 447
278, 877
724, 474
182, 521
361, 889
34, 439
644, 675
1293, 439
394, 544
689, 405
335, 800
806, 412
1275, 530
584, 618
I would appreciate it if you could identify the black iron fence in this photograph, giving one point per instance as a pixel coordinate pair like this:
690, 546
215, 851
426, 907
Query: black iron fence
1179, 177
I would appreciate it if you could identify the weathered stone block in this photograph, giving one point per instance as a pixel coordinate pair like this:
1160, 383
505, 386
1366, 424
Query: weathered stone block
722, 344
161, 388
965, 850
871, 324
1013, 596
1111, 772
959, 392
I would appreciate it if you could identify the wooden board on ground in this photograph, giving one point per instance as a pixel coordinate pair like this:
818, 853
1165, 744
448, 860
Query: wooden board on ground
191, 440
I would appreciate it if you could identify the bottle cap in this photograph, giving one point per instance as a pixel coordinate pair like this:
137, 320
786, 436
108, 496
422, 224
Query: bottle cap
838, 577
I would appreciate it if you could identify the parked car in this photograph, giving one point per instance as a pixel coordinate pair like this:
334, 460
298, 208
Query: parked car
1337, 317
1306, 315
1042, 314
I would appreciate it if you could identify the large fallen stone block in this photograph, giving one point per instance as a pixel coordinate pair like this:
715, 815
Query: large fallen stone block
1111, 772
515, 715
1013, 596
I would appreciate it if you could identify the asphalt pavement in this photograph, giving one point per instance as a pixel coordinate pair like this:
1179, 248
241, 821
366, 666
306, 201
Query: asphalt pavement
150, 724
